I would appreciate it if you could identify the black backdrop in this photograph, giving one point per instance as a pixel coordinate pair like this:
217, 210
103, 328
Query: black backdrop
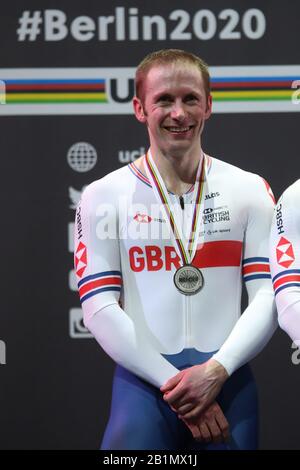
55, 385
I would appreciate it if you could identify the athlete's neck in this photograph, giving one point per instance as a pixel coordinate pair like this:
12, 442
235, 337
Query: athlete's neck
177, 171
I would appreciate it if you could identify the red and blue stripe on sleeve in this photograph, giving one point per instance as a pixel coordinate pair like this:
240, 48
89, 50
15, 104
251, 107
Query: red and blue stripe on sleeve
285, 279
256, 268
97, 283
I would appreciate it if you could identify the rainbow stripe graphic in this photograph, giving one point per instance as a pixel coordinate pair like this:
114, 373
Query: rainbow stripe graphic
55, 91
235, 89
257, 88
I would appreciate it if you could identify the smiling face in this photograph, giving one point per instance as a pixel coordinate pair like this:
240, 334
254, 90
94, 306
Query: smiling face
174, 108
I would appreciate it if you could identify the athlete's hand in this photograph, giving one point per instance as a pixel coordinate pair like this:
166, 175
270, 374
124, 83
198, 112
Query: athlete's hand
212, 426
192, 390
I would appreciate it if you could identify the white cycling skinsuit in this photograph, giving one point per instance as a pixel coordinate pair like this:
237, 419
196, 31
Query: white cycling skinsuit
285, 260
125, 262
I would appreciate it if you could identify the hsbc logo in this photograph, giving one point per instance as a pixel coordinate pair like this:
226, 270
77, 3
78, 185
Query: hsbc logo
285, 253
80, 259
142, 218
279, 220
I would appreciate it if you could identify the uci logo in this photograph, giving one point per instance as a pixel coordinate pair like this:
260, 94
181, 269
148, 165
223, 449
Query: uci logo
121, 89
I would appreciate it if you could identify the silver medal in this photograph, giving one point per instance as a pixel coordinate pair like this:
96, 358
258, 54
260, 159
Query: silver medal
188, 279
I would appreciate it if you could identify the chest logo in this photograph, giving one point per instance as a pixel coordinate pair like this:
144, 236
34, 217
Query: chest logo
80, 259
142, 218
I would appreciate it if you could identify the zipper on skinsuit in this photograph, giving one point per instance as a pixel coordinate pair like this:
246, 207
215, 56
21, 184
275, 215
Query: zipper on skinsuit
188, 326
186, 299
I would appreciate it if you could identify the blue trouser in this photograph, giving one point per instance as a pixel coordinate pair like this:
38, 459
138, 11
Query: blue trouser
140, 419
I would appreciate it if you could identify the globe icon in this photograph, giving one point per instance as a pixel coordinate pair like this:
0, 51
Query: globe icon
82, 157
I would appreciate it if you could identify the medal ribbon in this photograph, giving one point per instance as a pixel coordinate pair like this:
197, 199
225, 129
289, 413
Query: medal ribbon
162, 195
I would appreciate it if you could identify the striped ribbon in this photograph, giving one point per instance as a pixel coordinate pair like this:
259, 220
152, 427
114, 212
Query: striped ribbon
162, 195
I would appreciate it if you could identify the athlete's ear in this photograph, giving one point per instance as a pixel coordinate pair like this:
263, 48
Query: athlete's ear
208, 107
139, 109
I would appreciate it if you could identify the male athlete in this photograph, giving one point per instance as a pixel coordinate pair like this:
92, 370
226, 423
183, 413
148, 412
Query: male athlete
285, 260
161, 247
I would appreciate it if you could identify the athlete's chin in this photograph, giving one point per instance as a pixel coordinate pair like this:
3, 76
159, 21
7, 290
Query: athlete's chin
178, 149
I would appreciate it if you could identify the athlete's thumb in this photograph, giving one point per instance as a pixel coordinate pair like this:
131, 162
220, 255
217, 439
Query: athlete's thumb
171, 383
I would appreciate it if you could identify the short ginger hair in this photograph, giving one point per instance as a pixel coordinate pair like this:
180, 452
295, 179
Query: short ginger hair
165, 57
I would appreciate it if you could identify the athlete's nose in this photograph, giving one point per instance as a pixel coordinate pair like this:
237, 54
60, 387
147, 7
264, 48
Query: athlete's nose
178, 111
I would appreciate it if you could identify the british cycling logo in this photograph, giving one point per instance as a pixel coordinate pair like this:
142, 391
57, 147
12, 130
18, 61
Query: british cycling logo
2, 352
295, 355
222, 216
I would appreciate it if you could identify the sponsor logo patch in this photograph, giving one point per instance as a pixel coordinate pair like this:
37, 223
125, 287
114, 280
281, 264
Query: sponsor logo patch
285, 253
80, 259
211, 195
142, 218
213, 217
